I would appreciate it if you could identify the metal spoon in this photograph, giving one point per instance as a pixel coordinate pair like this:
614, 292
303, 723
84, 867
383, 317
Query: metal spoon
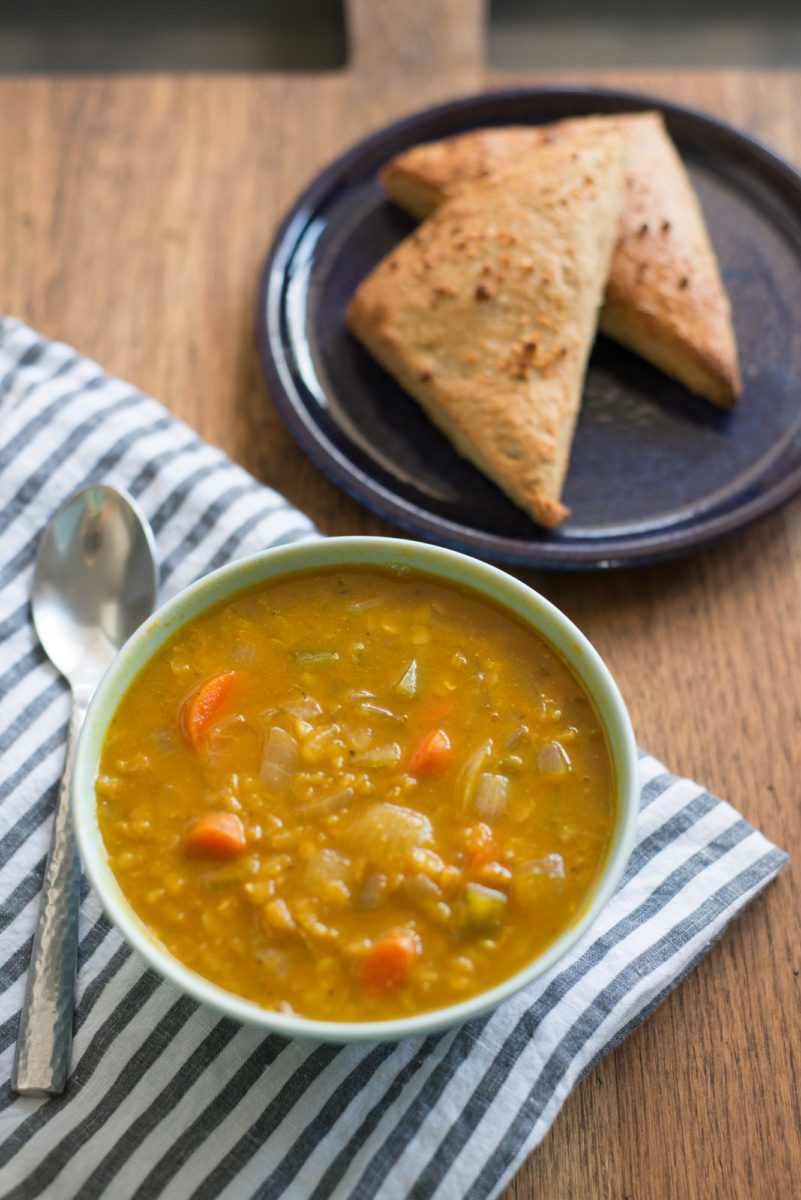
95, 582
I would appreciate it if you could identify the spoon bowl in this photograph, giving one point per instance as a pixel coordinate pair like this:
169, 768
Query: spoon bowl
95, 582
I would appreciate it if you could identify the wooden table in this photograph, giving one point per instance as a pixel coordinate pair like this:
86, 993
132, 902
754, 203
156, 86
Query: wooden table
134, 218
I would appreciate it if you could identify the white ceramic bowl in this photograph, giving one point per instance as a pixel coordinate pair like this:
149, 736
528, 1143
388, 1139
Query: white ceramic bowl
450, 567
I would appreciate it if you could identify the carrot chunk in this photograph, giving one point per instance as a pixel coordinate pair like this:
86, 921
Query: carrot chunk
203, 705
387, 964
218, 835
432, 754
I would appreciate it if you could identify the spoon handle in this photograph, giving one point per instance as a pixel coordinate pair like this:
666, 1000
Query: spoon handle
45, 1029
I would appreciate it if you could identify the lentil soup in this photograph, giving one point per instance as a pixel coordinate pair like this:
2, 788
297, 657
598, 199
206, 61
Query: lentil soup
356, 795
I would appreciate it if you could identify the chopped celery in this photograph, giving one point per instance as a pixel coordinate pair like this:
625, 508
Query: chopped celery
407, 684
315, 658
484, 907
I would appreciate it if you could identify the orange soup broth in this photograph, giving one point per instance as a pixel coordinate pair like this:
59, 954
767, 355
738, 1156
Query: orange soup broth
404, 760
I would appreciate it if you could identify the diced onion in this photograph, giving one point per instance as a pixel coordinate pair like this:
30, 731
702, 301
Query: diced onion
421, 887
538, 879
471, 771
385, 834
277, 960
516, 737
374, 889
330, 803
357, 737
379, 756
305, 709
163, 740
280, 759
360, 606
327, 866
367, 707
552, 865
240, 872
221, 737
242, 653
536, 871
319, 742
553, 759
489, 801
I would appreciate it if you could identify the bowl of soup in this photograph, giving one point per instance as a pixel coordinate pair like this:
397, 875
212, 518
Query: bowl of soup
360, 788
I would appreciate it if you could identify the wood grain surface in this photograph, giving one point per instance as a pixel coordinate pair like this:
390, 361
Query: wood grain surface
134, 216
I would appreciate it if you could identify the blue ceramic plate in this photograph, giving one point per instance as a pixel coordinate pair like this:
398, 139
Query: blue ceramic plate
654, 472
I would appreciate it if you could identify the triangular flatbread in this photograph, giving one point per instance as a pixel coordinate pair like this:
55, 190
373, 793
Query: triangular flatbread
665, 299
486, 314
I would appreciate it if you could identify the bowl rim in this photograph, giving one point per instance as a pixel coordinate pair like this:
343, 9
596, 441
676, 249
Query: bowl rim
448, 566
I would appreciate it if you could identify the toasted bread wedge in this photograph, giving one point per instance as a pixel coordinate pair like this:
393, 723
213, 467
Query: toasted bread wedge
665, 299
486, 314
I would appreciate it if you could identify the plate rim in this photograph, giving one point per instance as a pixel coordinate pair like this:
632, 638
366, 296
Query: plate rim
597, 553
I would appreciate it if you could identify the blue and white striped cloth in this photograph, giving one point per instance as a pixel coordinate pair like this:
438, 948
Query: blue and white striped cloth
167, 1099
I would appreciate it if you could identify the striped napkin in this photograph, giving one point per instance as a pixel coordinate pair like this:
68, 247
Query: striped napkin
168, 1099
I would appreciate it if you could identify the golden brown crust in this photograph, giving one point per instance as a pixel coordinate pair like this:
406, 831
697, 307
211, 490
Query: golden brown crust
423, 177
486, 314
665, 299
